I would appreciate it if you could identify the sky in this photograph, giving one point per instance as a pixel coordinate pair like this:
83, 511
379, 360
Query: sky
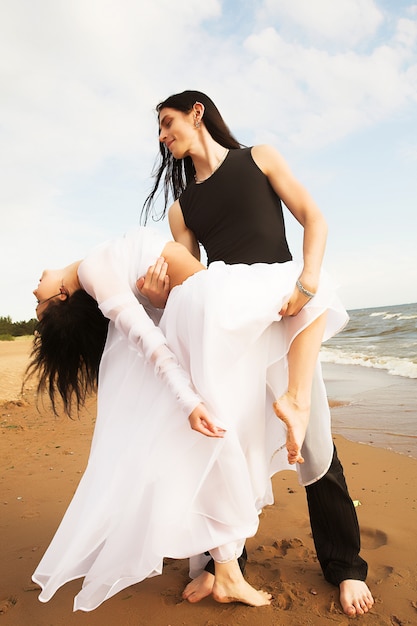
332, 84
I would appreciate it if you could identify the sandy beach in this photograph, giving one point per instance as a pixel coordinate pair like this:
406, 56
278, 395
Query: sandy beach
43, 457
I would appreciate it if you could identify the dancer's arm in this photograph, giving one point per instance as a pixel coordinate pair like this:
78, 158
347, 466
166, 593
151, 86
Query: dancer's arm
101, 277
180, 231
306, 212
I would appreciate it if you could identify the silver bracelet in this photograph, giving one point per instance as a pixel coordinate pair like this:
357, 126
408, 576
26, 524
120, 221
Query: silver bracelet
303, 290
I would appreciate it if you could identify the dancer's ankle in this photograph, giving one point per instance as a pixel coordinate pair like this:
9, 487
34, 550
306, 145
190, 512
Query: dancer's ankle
300, 400
228, 571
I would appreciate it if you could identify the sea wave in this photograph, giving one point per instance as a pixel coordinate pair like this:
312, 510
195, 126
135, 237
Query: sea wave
394, 365
389, 316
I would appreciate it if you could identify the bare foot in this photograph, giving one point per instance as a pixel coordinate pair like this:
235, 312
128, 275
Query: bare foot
355, 597
295, 417
240, 591
230, 586
199, 588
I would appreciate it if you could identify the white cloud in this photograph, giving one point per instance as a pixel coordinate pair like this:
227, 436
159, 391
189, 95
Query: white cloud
329, 94
406, 33
412, 9
80, 80
346, 22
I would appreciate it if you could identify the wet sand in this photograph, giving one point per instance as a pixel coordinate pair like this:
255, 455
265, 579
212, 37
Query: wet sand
372, 406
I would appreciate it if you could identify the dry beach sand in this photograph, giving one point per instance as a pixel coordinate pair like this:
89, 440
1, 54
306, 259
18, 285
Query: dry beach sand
42, 459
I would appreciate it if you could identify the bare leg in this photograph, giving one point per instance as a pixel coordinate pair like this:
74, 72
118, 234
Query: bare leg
230, 586
293, 407
355, 597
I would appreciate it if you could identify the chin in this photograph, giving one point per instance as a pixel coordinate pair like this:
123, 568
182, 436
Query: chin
177, 153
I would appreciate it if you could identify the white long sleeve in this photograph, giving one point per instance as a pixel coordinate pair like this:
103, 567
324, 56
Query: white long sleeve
106, 275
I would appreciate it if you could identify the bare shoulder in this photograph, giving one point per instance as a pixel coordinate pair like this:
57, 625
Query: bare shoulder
267, 158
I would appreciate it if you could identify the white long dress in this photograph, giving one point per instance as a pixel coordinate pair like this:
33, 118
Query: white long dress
153, 488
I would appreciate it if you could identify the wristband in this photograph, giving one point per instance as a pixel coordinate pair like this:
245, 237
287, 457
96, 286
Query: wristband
303, 290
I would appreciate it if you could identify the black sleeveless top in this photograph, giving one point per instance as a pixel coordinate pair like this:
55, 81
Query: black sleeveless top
236, 214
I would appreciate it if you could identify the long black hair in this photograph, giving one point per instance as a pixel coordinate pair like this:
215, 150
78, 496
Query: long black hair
67, 349
179, 172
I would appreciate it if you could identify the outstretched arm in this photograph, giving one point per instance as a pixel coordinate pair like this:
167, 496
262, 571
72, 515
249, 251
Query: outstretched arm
102, 276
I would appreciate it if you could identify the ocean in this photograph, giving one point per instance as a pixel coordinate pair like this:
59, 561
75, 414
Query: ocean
370, 372
383, 338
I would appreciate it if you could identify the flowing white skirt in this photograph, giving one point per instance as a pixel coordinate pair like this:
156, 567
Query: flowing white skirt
153, 488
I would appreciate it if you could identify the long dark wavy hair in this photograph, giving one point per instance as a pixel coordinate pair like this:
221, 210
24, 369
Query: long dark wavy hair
67, 350
179, 172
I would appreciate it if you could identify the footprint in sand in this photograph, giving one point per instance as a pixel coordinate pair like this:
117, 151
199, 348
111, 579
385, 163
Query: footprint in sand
296, 545
269, 561
282, 546
372, 538
283, 601
171, 596
7, 604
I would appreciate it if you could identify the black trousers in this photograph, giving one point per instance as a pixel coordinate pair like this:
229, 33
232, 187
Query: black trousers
335, 528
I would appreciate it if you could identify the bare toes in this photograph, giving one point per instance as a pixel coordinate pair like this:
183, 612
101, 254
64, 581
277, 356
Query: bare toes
355, 597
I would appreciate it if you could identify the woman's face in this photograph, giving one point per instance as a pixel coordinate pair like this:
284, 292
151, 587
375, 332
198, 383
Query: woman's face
49, 287
177, 131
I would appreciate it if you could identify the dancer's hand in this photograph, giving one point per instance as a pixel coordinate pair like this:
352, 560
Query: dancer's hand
155, 284
201, 421
294, 304
298, 300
